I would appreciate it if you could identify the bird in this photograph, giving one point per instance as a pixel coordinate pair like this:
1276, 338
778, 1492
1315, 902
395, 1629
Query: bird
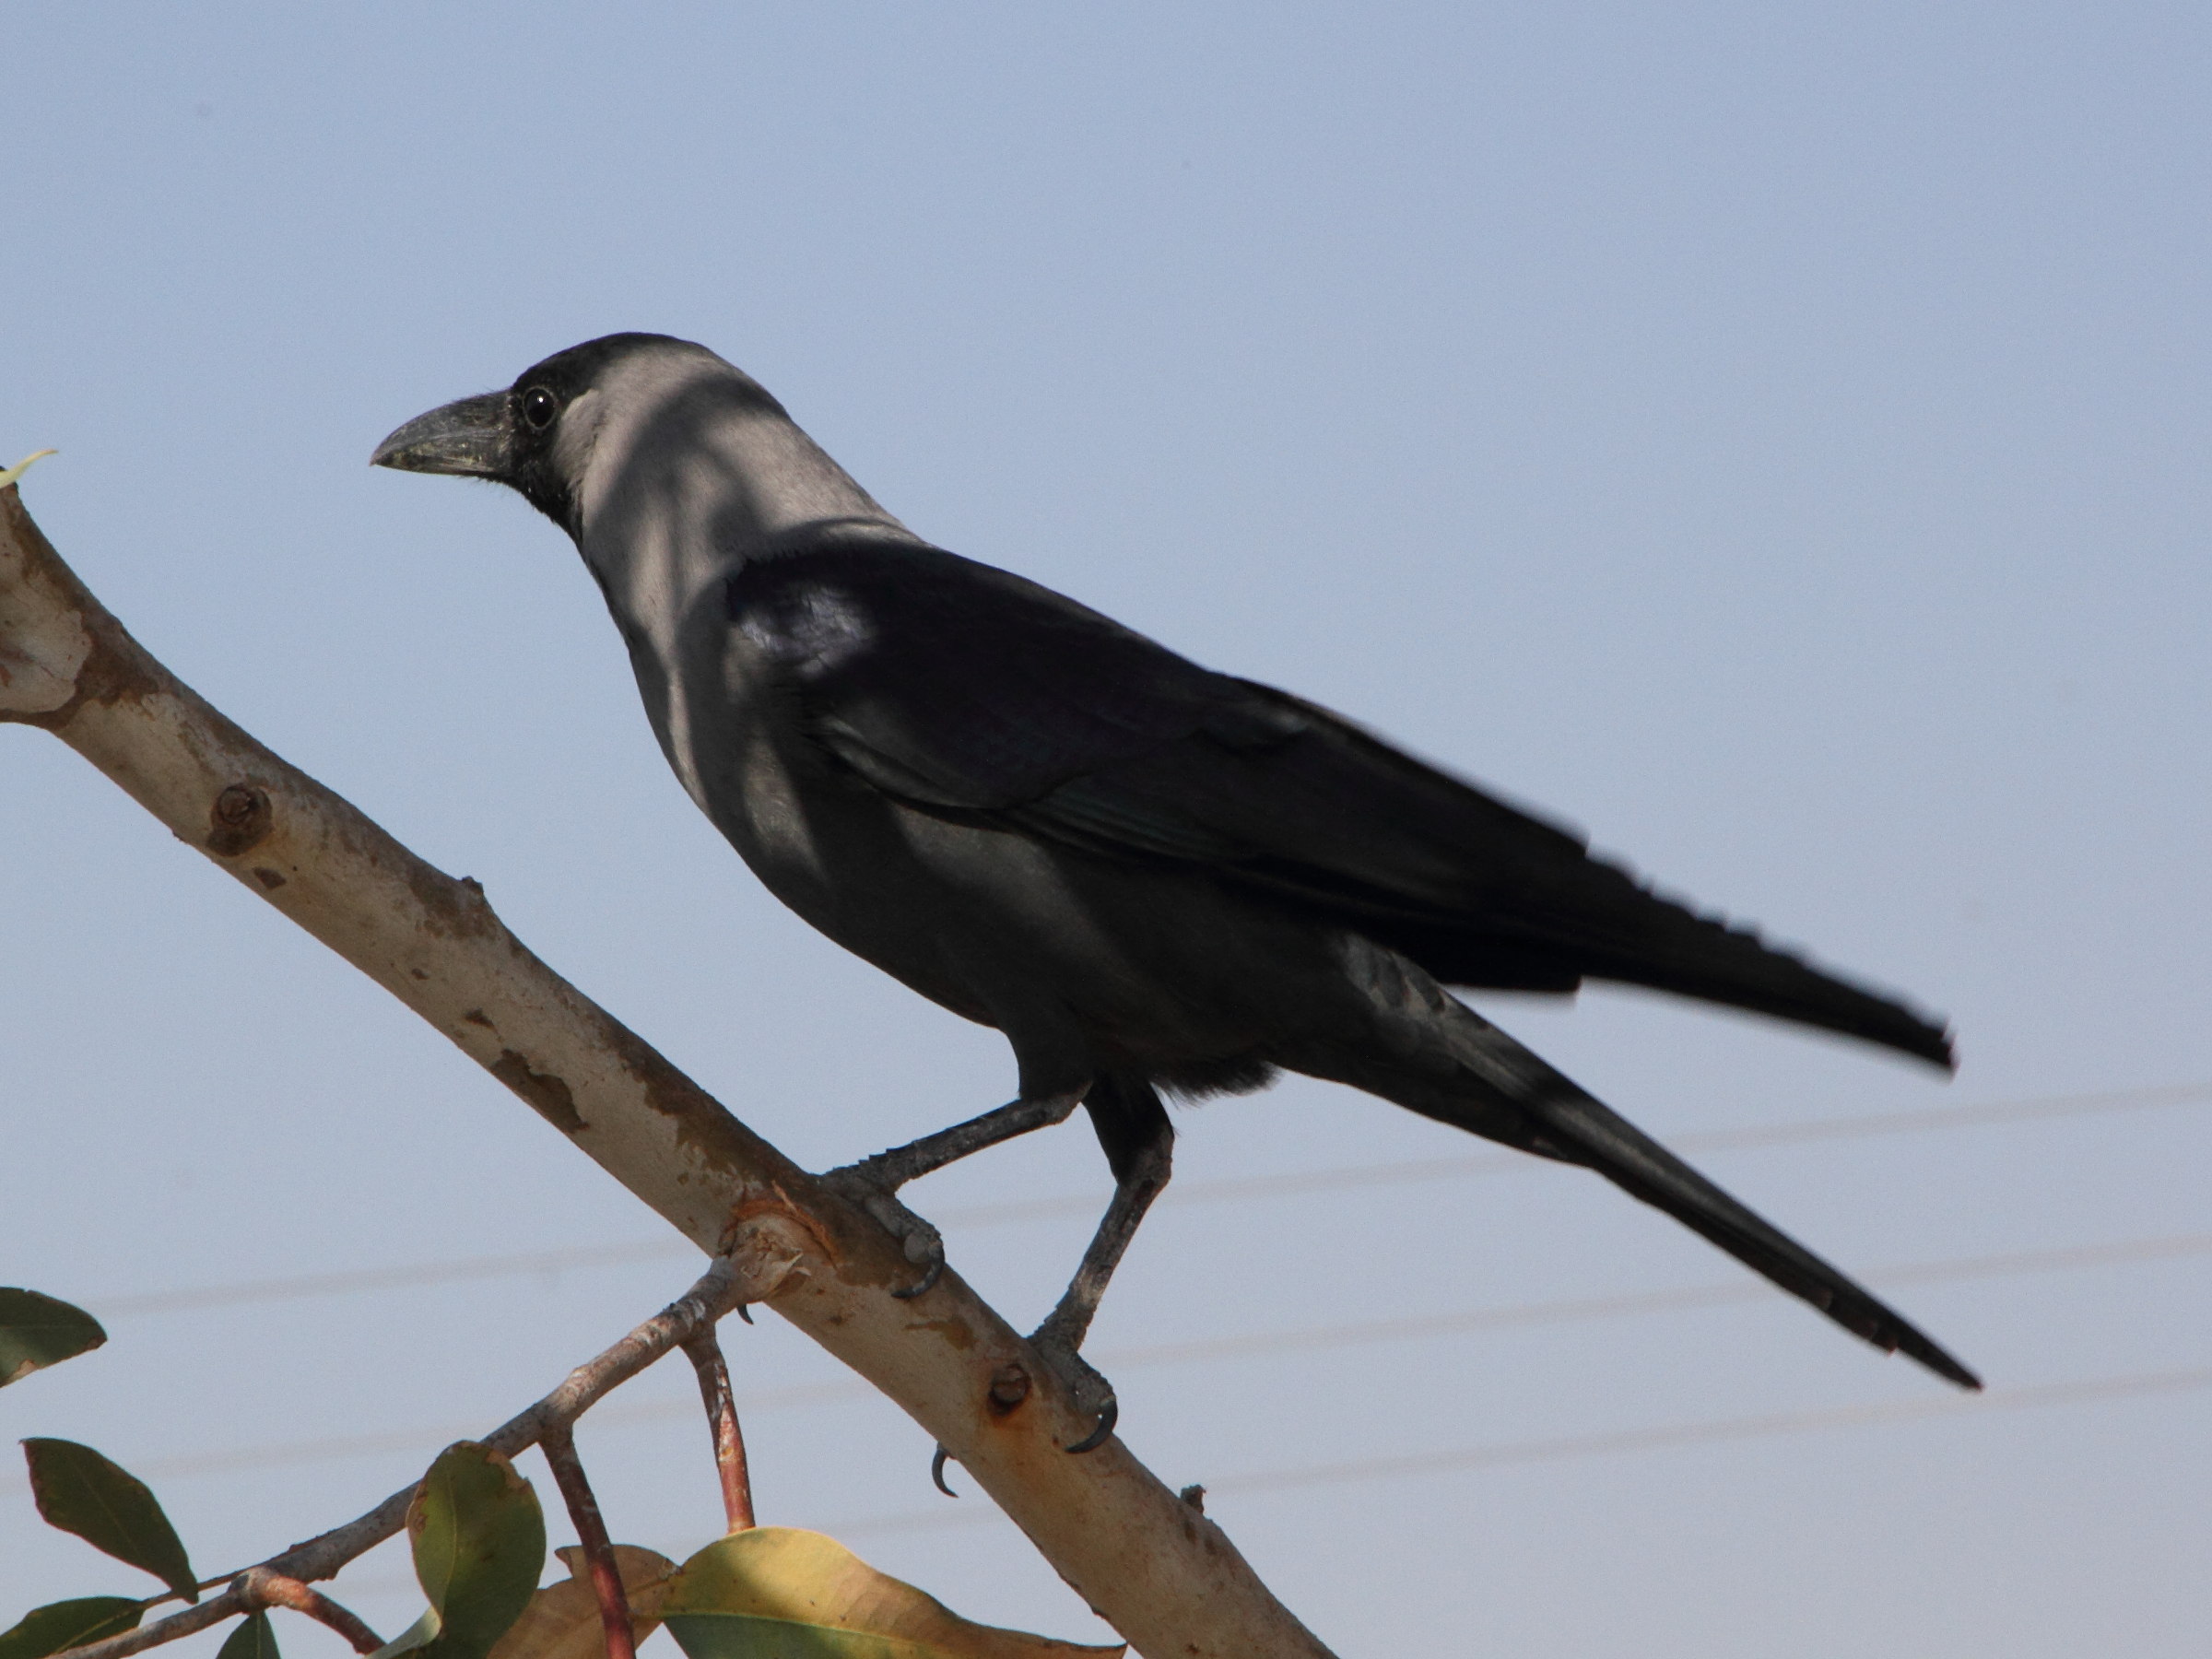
1153, 878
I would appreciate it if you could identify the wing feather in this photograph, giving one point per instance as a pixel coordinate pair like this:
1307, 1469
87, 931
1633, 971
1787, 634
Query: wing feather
970, 691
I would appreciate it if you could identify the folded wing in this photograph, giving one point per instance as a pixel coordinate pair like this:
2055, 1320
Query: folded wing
968, 691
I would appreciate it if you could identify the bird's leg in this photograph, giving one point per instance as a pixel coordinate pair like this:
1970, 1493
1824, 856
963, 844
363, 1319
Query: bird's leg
871, 1183
1139, 1143
1058, 1338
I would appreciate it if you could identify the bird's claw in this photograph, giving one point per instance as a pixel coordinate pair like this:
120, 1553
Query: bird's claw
930, 1276
1089, 1391
924, 1244
936, 1472
1109, 1415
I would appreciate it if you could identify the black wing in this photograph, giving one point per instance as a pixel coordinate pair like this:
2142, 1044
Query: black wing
971, 692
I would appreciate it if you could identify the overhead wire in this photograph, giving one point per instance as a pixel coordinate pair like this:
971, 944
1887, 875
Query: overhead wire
1620, 1443
1245, 1345
1294, 1183
1336, 1335
1623, 1442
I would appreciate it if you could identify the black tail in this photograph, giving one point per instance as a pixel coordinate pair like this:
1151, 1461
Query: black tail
1702, 957
1593, 1133
1592, 920
1556, 1118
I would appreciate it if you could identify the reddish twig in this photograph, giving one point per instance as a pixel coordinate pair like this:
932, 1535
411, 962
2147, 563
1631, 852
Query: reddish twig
257, 1587
558, 1445
323, 1557
705, 1351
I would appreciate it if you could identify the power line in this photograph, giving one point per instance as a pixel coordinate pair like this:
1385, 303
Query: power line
1209, 1351
1576, 1309
1300, 1184
1749, 1137
1566, 1448
307, 1286
1624, 1441
1620, 1443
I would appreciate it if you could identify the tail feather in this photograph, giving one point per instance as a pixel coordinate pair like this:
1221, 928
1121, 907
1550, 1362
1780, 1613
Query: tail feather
1639, 1165
1557, 1118
1595, 921
1701, 956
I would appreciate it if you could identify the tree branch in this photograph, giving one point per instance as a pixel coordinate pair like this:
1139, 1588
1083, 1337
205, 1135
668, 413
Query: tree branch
258, 1587
705, 1351
1167, 1579
687, 1316
558, 1445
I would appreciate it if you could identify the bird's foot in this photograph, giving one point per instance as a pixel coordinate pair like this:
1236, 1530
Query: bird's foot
1089, 1391
925, 1246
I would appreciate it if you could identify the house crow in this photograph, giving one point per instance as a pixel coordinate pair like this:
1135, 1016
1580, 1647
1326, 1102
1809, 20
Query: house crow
1152, 877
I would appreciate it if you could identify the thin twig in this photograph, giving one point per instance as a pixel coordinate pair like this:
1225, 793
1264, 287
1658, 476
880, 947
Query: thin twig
704, 1350
558, 1445
258, 1587
324, 1556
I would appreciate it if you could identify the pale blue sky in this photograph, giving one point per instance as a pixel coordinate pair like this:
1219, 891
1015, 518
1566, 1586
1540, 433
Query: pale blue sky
1774, 439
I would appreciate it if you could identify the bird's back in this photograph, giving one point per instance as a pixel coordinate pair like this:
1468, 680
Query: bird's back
962, 691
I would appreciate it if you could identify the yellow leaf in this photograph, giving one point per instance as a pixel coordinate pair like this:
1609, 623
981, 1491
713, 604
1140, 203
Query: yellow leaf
774, 1590
22, 467
562, 1620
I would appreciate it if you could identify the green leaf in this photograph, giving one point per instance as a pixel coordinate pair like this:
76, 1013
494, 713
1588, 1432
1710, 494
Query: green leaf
253, 1639
779, 1593
479, 1541
562, 1620
416, 1636
80, 1491
64, 1624
38, 1331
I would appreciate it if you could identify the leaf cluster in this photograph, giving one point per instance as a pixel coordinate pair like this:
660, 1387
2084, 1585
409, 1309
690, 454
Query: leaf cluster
478, 1540
80, 1491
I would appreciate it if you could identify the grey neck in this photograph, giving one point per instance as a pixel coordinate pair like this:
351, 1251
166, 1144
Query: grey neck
680, 480
677, 496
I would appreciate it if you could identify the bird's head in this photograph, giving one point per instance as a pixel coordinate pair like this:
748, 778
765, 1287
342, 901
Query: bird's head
565, 432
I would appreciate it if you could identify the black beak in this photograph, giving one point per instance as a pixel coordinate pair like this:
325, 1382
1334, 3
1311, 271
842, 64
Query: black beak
467, 438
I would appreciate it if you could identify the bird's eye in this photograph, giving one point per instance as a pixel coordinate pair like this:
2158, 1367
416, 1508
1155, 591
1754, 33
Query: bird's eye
539, 407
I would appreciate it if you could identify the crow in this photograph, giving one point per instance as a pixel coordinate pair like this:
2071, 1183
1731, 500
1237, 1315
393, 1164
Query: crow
1150, 876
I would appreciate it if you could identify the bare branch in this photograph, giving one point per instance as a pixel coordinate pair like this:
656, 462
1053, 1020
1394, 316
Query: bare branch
323, 1557
705, 1351
558, 1445
695, 1311
1169, 1581
190, 1623
258, 1587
